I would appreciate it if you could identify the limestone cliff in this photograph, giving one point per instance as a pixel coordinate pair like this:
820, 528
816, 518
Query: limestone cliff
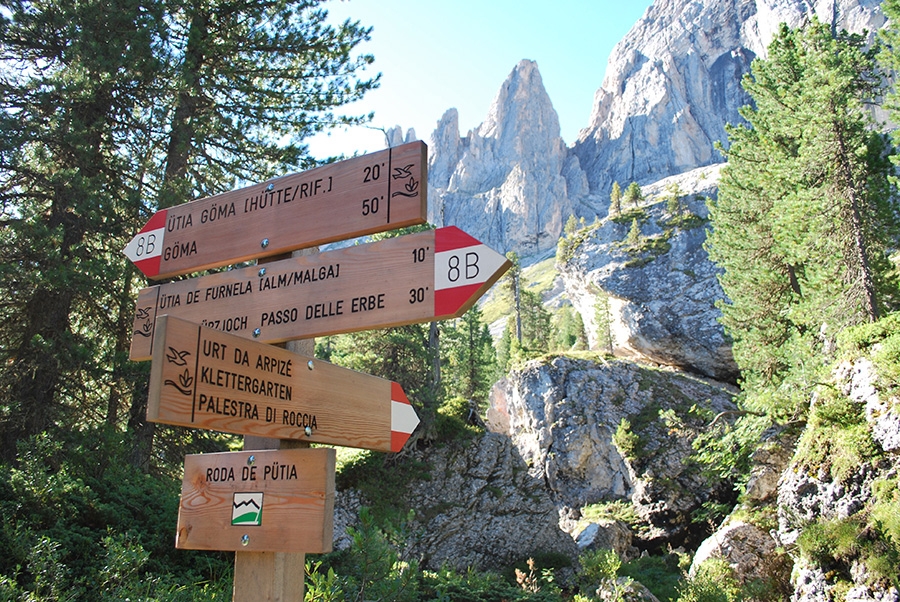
673, 82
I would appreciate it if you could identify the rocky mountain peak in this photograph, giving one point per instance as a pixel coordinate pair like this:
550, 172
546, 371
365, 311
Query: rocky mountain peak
508, 181
521, 97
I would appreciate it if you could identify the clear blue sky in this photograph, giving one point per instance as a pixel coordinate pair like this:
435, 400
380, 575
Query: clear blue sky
439, 54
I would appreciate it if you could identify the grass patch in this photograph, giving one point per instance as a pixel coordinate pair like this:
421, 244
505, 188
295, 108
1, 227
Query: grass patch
539, 277
660, 574
614, 510
837, 438
382, 486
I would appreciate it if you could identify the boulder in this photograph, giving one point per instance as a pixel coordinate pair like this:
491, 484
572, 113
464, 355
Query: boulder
749, 550
612, 535
662, 302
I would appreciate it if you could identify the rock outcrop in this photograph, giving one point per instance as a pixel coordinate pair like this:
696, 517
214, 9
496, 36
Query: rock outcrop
562, 416
480, 508
661, 302
673, 82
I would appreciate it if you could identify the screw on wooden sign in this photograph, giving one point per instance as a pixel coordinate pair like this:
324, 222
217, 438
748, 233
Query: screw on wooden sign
419, 277
363, 195
204, 378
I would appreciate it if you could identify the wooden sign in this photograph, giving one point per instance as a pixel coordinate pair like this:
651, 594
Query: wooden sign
258, 501
205, 378
363, 195
419, 277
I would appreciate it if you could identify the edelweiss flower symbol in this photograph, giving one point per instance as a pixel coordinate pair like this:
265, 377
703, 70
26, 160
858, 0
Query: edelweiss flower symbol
184, 384
146, 329
411, 186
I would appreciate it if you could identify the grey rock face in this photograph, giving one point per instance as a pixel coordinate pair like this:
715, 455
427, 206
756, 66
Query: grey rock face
481, 508
510, 182
882, 414
562, 417
673, 82
662, 307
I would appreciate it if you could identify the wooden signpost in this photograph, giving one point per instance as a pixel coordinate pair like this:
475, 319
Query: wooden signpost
205, 378
267, 500
214, 367
419, 277
363, 195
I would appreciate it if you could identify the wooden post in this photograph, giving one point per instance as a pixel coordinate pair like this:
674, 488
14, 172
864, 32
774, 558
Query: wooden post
273, 576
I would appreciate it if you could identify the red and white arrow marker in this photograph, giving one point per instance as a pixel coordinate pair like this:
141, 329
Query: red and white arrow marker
462, 264
204, 378
403, 418
146, 249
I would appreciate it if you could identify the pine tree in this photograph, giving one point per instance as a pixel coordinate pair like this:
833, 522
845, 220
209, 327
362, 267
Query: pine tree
634, 238
633, 195
536, 330
804, 214
674, 206
603, 320
510, 285
110, 110
469, 360
615, 200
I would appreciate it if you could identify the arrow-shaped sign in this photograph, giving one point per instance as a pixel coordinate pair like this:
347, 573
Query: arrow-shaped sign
419, 277
363, 195
205, 378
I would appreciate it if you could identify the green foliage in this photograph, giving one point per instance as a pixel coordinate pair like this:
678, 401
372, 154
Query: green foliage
468, 358
660, 574
644, 249
79, 523
457, 418
612, 510
886, 509
603, 321
880, 342
836, 544
633, 240
615, 200
837, 440
371, 570
568, 329
134, 106
447, 585
633, 196
674, 205
574, 235
713, 582
599, 568
724, 450
627, 442
805, 214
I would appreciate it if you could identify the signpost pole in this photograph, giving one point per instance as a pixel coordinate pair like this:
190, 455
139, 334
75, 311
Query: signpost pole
273, 576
